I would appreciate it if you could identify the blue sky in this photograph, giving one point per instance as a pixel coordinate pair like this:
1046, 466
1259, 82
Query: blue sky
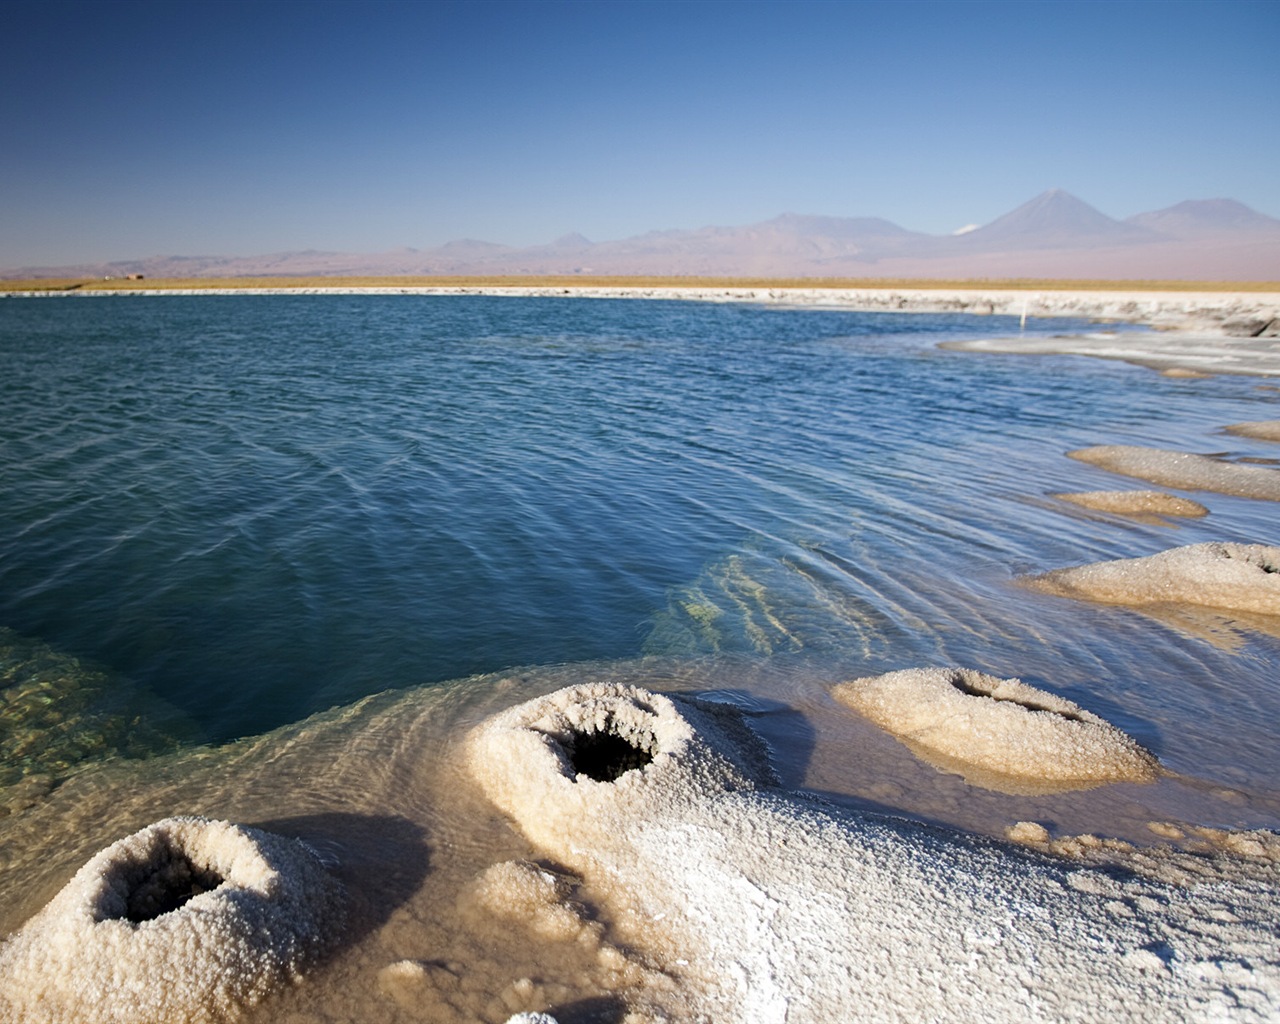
132, 129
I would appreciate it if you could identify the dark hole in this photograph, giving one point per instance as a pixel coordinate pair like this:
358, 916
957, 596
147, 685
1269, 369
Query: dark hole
1031, 705
604, 756
164, 885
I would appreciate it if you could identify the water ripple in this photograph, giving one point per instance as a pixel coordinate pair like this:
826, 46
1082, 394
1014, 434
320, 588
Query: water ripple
257, 507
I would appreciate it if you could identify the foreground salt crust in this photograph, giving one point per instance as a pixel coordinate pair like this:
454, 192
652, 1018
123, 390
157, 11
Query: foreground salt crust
1183, 470
187, 920
1233, 577
1000, 726
776, 907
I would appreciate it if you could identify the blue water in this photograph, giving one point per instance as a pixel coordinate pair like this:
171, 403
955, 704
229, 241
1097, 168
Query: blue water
251, 508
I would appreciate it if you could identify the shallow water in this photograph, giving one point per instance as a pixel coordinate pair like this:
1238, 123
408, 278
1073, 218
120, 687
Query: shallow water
224, 514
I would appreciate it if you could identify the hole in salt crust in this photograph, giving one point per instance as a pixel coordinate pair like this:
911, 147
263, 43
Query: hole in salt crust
605, 756
162, 884
964, 686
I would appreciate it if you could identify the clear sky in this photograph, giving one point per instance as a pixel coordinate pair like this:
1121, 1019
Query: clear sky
137, 128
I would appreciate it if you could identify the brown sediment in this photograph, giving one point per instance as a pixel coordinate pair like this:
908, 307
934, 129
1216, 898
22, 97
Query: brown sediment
1001, 734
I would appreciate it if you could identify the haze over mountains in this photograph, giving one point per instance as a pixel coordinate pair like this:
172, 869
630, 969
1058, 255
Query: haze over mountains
1053, 235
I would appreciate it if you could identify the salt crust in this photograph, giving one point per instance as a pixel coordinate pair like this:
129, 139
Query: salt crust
1135, 503
1261, 430
783, 907
1003, 726
82, 959
1234, 577
1183, 470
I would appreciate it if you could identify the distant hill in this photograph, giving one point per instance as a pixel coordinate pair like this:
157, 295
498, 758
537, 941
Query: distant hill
1055, 220
1200, 218
1053, 235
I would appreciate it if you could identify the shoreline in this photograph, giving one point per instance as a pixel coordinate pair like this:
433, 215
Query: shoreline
1192, 333
1160, 308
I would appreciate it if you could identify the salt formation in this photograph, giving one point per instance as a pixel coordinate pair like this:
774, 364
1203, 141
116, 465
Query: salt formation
1184, 470
1233, 577
1135, 503
772, 906
1261, 430
187, 920
1001, 726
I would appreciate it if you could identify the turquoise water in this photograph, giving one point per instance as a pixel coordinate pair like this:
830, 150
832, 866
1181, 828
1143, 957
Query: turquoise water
240, 510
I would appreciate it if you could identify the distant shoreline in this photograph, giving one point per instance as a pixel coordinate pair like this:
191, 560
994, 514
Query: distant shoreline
1198, 328
576, 282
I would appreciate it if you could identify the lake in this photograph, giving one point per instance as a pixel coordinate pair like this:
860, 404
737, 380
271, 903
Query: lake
225, 513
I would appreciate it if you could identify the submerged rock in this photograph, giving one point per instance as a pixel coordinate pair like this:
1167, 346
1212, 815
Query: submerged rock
58, 712
187, 920
988, 727
1234, 577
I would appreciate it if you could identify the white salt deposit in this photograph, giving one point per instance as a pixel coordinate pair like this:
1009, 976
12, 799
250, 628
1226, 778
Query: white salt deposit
1184, 470
1260, 430
1234, 577
770, 906
1135, 503
187, 920
1000, 726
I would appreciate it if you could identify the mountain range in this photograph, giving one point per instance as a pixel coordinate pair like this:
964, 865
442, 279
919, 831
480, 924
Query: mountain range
1055, 235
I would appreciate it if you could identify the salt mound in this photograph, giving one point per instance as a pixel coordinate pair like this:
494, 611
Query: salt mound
768, 906
187, 920
1184, 470
1135, 503
590, 752
1261, 430
1236, 577
1003, 726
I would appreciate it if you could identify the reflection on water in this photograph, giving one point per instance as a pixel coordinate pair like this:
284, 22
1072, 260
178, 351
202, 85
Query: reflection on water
248, 510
